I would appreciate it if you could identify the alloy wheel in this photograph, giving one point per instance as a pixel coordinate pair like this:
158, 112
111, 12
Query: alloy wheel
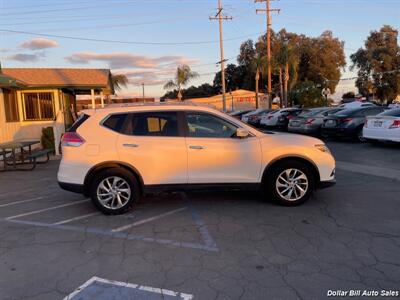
113, 192
292, 184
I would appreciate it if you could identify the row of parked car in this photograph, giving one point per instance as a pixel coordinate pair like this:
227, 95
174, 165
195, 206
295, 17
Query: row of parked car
364, 121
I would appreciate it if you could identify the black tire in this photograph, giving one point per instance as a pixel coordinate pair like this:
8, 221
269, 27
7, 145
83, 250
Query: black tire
359, 137
271, 182
126, 177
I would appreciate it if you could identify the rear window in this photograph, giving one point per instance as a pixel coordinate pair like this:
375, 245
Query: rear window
115, 122
82, 118
347, 112
391, 113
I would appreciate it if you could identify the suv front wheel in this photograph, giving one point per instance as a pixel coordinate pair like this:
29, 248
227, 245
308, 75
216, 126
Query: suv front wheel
290, 183
113, 191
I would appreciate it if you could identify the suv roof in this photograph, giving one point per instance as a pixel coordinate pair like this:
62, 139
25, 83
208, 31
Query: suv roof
146, 106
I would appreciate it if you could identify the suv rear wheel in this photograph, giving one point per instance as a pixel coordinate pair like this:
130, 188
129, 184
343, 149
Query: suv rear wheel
290, 183
113, 191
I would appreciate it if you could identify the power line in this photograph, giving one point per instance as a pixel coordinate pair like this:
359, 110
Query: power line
123, 42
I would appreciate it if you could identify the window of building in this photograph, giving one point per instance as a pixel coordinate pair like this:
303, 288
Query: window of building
38, 106
11, 105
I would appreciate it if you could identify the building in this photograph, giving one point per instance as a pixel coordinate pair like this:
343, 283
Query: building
235, 100
84, 102
34, 98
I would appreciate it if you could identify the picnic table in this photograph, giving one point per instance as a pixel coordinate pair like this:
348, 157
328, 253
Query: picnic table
19, 153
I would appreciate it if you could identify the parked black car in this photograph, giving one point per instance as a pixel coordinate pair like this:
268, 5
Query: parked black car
348, 122
286, 116
310, 121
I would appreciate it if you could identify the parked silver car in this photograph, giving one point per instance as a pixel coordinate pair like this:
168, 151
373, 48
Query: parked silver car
310, 121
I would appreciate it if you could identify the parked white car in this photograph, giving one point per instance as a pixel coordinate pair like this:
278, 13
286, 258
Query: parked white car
383, 127
115, 155
357, 104
272, 118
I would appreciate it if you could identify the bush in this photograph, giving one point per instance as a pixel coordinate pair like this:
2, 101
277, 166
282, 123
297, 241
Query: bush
47, 138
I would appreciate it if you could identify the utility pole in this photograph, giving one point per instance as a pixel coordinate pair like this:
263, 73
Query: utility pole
220, 17
143, 91
268, 11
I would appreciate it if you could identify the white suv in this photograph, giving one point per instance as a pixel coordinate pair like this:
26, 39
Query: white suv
115, 155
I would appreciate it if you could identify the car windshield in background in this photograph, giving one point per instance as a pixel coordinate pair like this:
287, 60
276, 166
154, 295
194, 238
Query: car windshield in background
391, 113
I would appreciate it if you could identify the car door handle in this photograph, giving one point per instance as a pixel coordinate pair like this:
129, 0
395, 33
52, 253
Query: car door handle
130, 145
197, 147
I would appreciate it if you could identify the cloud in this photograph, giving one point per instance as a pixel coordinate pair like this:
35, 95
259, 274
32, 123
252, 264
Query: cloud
148, 77
25, 57
120, 60
39, 44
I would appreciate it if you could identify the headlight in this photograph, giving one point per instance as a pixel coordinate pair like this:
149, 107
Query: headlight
323, 148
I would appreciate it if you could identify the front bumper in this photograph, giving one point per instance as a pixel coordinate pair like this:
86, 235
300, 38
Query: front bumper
72, 187
326, 184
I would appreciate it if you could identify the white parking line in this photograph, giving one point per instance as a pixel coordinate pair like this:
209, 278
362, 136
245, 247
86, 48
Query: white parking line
22, 201
76, 218
46, 209
92, 280
119, 229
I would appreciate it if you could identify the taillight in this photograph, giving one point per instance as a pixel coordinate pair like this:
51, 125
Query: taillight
309, 121
395, 124
72, 139
346, 120
270, 117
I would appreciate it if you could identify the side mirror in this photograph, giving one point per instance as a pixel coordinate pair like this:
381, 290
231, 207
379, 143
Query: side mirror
242, 133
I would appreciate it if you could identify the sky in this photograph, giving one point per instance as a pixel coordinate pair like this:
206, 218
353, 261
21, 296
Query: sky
148, 39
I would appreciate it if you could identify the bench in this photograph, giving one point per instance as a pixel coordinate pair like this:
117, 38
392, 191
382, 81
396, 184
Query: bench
33, 157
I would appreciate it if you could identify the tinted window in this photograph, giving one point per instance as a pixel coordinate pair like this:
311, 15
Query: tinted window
153, 124
347, 112
391, 113
206, 125
115, 122
82, 118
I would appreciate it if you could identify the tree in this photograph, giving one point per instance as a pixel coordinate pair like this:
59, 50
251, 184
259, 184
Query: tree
119, 81
348, 95
378, 64
204, 90
233, 78
287, 60
183, 76
307, 94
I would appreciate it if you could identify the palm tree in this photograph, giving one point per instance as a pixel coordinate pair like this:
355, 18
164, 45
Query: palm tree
288, 60
183, 76
259, 65
118, 81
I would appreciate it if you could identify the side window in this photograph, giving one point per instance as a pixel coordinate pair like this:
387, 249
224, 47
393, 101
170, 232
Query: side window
115, 122
153, 124
207, 125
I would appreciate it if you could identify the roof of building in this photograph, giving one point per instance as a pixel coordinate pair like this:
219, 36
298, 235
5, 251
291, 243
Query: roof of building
43, 77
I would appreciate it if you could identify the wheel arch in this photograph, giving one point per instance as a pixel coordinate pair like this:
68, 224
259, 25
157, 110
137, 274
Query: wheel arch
313, 167
107, 165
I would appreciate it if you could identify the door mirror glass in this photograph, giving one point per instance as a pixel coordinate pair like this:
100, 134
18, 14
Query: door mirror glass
242, 133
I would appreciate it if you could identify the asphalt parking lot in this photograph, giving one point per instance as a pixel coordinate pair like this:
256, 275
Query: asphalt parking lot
55, 245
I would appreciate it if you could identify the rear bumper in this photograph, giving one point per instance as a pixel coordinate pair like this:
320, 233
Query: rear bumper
342, 132
304, 130
72, 187
326, 184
